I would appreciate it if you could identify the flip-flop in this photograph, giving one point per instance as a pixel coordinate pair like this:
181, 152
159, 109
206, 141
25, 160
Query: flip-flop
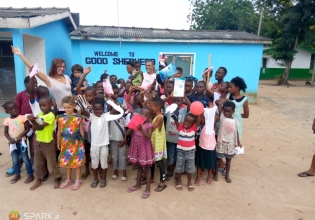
304, 174
197, 184
191, 188
145, 195
103, 184
179, 187
133, 189
160, 187
29, 179
94, 183
15, 179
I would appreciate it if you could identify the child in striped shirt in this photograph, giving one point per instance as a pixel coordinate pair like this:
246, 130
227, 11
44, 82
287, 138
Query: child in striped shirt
186, 148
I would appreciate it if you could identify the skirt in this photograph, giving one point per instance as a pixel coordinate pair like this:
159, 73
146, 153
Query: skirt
206, 159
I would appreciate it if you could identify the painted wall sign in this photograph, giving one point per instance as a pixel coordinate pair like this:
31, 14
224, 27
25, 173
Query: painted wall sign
100, 58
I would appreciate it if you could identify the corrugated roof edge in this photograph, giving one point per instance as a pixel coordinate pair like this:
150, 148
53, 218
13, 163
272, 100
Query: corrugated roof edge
101, 33
36, 8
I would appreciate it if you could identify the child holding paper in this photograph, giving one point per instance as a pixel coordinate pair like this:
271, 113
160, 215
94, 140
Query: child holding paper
172, 132
141, 150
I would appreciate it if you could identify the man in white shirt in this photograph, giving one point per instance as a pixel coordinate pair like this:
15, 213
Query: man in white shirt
149, 66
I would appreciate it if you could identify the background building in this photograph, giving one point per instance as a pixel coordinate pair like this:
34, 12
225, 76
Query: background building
300, 69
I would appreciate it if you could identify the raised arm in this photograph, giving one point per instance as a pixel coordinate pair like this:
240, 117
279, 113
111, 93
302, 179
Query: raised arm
32, 90
40, 75
85, 73
187, 101
129, 95
111, 116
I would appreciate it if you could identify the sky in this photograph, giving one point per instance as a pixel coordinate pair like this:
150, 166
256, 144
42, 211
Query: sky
171, 14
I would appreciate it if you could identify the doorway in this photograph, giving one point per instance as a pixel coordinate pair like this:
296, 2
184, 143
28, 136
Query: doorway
7, 69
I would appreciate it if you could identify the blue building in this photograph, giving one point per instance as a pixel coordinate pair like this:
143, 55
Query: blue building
41, 33
105, 47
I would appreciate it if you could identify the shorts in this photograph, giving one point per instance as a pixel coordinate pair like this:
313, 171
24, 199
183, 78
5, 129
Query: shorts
225, 149
185, 161
171, 153
99, 154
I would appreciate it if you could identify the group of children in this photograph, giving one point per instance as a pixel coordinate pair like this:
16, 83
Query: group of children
95, 124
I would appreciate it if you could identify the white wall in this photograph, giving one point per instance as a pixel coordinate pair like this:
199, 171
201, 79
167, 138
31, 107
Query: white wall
302, 60
34, 49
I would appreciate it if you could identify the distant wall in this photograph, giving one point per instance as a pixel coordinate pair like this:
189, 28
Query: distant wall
240, 59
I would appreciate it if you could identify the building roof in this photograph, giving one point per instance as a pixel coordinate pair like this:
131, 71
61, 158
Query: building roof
153, 34
32, 17
29, 12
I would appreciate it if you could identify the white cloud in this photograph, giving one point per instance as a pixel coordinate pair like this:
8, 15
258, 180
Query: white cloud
170, 14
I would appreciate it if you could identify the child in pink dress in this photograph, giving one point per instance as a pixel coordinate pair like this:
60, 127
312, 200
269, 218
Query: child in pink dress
141, 150
206, 155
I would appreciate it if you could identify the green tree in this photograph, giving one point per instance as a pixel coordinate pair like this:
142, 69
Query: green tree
223, 15
294, 22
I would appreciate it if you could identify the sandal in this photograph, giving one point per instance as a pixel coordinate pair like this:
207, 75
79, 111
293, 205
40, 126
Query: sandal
123, 179
114, 177
191, 188
77, 185
94, 183
133, 189
65, 184
10, 172
304, 174
179, 187
29, 179
103, 184
160, 188
145, 195
15, 179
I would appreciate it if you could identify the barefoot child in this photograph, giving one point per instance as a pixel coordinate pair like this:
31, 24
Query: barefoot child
186, 149
15, 130
227, 138
141, 151
206, 155
158, 141
70, 142
99, 136
45, 151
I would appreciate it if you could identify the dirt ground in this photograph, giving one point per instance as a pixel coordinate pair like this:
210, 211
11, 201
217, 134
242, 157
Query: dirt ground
278, 142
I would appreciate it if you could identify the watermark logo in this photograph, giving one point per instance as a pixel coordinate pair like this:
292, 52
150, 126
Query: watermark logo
14, 215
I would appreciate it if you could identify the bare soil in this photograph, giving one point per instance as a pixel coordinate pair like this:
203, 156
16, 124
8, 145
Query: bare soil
279, 144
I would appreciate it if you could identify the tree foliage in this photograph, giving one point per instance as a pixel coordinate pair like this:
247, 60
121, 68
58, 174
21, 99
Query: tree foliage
294, 21
223, 15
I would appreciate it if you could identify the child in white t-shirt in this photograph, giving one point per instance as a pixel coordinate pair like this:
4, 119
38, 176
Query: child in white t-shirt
99, 135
